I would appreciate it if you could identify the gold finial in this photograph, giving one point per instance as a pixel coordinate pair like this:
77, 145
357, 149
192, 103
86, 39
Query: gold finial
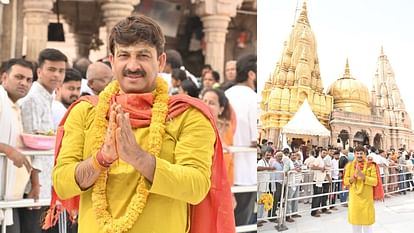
347, 73
303, 17
382, 51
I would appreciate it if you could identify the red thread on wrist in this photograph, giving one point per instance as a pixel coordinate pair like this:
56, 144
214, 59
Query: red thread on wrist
101, 160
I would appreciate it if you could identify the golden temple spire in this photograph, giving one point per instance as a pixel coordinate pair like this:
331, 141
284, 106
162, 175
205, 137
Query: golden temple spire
303, 17
382, 51
347, 73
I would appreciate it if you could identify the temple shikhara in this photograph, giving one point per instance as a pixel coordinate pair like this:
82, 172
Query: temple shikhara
351, 113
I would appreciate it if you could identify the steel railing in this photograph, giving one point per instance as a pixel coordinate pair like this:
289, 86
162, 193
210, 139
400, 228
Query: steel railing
401, 173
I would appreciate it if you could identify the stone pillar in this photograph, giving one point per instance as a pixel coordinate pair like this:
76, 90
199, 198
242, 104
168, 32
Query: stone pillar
215, 30
5, 30
36, 14
83, 41
215, 15
115, 10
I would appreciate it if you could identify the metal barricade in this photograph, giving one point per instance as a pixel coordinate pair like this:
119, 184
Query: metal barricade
273, 187
62, 218
244, 189
7, 205
400, 177
397, 179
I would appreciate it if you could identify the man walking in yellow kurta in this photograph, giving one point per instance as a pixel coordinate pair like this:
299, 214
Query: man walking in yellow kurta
361, 178
138, 158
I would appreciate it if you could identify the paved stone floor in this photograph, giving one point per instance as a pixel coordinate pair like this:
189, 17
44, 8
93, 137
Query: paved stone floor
394, 215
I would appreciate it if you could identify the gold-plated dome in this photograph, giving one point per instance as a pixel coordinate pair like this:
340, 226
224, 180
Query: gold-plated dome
350, 95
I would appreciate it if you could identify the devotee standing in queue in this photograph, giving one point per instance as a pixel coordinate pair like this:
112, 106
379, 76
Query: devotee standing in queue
361, 177
37, 118
66, 94
243, 99
16, 80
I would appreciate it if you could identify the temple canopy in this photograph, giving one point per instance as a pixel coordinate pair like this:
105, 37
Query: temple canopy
304, 122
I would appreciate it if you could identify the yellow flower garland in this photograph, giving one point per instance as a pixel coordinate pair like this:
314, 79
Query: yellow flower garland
157, 130
267, 200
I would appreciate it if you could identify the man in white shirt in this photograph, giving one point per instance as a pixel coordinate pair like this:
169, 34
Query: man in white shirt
294, 178
335, 177
263, 178
318, 167
379, 160
66, 94
37, 117
243, 99
16, 82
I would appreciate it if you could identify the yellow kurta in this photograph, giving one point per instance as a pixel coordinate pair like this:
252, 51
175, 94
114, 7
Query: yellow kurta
182, 173
361, 209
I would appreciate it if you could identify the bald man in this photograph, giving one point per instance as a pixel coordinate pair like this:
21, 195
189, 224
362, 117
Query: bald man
98, 75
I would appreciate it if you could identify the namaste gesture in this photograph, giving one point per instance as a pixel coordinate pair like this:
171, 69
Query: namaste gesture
119, 140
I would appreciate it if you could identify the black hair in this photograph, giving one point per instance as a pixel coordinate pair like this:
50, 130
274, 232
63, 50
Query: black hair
72, 75
216, 76
16, 61
134, 29
208, 66
223, 102
51, 55
268, 149
189, 87
244, 65
360, 148
174, 58
178, 74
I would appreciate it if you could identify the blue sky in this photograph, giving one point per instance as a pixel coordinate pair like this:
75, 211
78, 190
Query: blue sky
352, 29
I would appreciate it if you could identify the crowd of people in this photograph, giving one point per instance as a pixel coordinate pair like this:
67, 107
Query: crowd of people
316, 173
36, 96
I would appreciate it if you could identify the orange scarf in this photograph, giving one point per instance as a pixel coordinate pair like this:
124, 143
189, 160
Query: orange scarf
378, 190
213, 215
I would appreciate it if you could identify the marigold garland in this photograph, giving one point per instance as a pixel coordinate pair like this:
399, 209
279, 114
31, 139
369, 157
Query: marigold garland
157, 130
267, 200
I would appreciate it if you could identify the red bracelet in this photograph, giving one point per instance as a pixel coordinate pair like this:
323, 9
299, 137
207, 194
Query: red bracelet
101, 160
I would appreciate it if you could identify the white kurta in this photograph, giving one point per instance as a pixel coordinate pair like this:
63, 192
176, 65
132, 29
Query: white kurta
12, 179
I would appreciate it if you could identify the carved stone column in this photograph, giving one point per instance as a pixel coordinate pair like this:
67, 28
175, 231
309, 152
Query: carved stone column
215, 29
115, 10
83, 41
36, 14
215, 15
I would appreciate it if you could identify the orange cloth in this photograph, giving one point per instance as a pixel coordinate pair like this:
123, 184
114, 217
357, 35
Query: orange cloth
214, 214
227, 137
378, 189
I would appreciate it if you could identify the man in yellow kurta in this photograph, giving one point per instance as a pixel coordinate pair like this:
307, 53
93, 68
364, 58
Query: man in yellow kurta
134, 170
361, 178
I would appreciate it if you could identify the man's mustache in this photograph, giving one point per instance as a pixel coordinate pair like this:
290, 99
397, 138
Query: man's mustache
137, 72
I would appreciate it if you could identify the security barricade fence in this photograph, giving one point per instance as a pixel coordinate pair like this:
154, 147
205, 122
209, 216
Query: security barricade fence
399, 177
30, 203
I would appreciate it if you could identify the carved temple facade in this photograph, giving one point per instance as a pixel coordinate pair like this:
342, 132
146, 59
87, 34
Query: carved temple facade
204, 31
352, 114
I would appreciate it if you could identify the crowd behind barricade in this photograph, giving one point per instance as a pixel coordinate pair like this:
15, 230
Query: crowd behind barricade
313, 176
36, 95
